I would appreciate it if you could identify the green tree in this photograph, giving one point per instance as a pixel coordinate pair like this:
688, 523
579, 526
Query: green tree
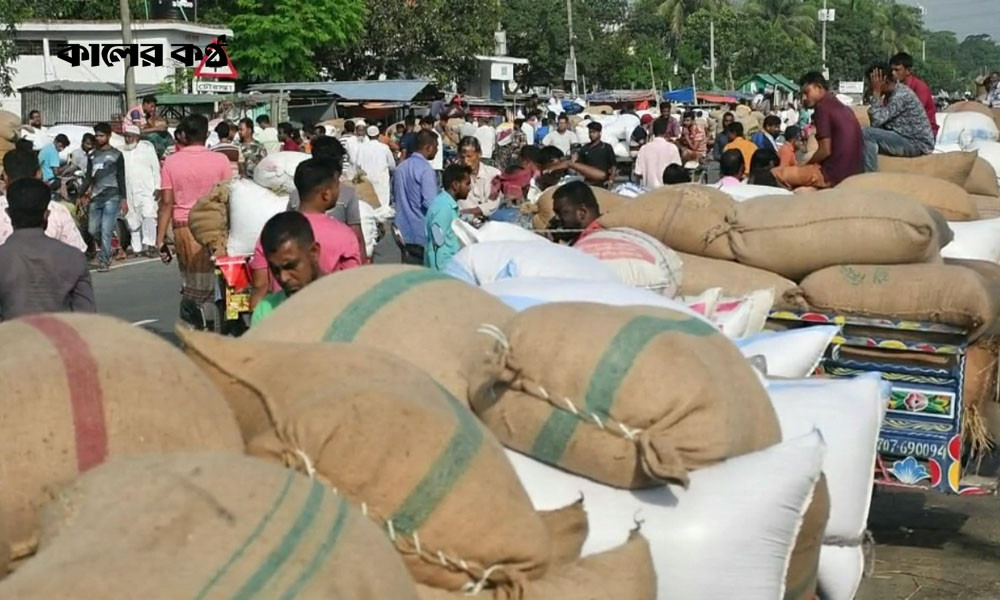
796, 19
277, 40
677, 11
426, 38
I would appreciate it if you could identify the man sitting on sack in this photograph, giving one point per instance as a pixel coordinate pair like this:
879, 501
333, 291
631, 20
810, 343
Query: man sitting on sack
900, 126
840, 140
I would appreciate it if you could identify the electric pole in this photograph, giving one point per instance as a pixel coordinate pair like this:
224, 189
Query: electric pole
825, 19
571, 65
711, 51
127, 39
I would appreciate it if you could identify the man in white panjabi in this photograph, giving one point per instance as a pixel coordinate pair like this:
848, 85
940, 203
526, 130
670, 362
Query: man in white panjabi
142, 180
377, 162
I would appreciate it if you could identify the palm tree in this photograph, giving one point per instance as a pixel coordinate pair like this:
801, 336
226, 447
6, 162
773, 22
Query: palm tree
676, 11
794, 17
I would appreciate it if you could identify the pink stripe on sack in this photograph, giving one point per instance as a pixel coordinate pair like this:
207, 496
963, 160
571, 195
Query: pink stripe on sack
85, 396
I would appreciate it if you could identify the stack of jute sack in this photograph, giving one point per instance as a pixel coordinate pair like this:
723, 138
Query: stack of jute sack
10, 124
402, 444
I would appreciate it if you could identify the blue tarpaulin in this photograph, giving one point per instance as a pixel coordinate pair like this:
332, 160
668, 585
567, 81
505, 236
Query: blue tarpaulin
684, 95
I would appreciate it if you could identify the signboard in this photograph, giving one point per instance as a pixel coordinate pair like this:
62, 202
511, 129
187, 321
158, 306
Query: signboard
216, 64
215, 87
502, 71
852, 87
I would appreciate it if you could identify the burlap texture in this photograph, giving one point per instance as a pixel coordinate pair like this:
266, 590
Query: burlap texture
702, 273
936, 293
640, 396
607, 201
797, 235
861, 114
982, 179
969, 106
950, 166
422, 316
979, 392
422, 466
684, 217
207, 525
803, 565
623, 573
365, 191
82, 389
10, 125
988, 206
952, 201
209, 219
567, 528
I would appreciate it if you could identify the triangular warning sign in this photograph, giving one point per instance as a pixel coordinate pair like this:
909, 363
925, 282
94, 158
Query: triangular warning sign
210, 66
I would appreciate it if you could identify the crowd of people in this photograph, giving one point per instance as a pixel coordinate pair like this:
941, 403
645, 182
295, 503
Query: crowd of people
450, 164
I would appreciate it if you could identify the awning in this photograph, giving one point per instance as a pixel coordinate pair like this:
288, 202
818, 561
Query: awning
402, 90
685, 95
717, 99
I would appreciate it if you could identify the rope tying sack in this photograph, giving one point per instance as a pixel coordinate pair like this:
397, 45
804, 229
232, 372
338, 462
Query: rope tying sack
402, 542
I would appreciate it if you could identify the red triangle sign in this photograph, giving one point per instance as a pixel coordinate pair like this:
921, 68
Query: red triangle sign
213, 72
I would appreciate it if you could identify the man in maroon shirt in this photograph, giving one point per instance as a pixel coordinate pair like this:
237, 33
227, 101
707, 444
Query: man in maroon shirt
841, 145
902, 70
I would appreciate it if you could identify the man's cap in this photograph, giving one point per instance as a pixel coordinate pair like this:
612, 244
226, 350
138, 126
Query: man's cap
372, 131
646, 119
131, 129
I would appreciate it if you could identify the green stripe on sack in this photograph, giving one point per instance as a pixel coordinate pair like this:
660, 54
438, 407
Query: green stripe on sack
613, 366
447, 469
250, 539
332, 537
348, 323
276, 559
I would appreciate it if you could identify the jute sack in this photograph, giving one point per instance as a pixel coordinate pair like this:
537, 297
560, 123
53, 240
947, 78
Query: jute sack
209, 219
796, 235
418, 314
979, 392
988, 206
950, 200
366, 191
81, 389
10, 125
702, 273
421, 465
599, 109
568, 529
642, 395
936, 293
951, 166
623, 573
680, 216
607, 201
803, 564
969, 106
207, 525
861, 114
982, 179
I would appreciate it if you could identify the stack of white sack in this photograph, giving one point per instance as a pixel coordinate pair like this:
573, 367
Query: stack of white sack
746, 191
492, 231
711, 540
848, 413
486, 262
637, 258
736, 317
964, 128
276, 172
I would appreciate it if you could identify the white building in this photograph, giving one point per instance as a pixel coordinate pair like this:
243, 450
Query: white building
39, 41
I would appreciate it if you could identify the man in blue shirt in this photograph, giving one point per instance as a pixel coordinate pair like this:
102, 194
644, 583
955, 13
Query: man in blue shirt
414, 188
766, 139
48, 157
442, 243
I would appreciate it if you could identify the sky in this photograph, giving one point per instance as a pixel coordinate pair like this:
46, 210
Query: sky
964, 17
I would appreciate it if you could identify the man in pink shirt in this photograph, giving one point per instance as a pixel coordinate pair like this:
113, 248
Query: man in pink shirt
655, 156
187, 175
902, 70
317, 181
23, 164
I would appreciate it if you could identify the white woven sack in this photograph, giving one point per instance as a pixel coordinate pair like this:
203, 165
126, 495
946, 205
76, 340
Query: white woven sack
745, 191
639, 259
712, 540
965, 127
250, 206
849, 413
493, 231
792, 354
524, 292
840, 571
276, 172
480, 264
975, 240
